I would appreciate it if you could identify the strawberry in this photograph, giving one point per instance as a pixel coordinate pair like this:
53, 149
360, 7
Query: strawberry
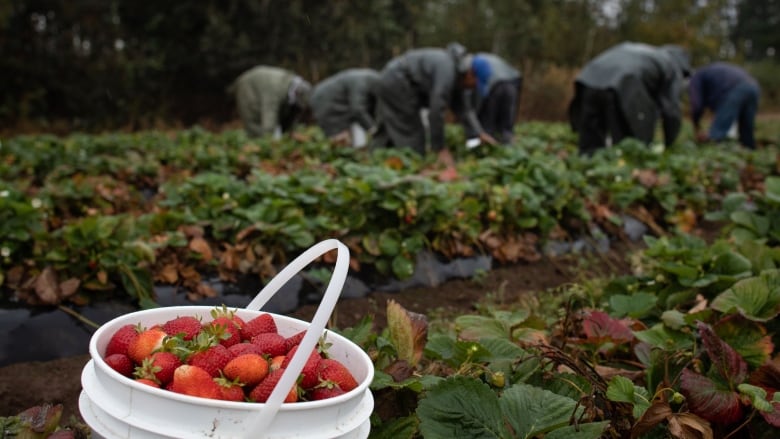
188, 326
226, 330
270, 343
294, 339
309, 377
121, 339
324, 392
258, 325
148, 382
147, 342
213, 359
244, 348
334, 371
230, 390
248, 369
195, 381
276, 362
120, 363
262, 391
158, 367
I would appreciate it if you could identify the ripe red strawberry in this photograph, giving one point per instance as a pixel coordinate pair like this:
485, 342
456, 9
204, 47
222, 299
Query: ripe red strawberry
188, 326
148, 382
195, 381
226, 330
147, 342
212, 359
248, 369
258, 325
309, 376
158, 367
270, 343
121, 339
262, 391
230, 390
294, 340
324, 392
244, 348
120, 363
334, 371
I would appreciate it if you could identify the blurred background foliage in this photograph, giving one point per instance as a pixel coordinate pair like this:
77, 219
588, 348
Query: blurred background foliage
129, 64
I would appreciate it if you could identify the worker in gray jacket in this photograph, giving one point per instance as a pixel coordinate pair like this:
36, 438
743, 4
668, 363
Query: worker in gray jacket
344, 105
425, 78
496, 95
270, 100
622, 91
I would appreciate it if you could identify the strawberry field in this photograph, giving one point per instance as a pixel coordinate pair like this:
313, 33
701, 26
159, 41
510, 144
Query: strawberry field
683, 346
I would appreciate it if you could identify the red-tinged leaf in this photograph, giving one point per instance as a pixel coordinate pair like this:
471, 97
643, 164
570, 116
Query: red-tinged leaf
729, 364
689, 426
717, 405
599, 327
768, 377
747, 337
408, 332
772, 418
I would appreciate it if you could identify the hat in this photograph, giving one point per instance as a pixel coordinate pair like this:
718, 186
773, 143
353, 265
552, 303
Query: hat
482, 71
460, 55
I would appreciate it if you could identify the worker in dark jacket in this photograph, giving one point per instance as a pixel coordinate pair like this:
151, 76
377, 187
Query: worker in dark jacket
425, 78
496, 95
270, 100
344, 105
731, 94
622, 91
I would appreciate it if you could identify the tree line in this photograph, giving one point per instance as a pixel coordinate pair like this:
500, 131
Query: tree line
111, 64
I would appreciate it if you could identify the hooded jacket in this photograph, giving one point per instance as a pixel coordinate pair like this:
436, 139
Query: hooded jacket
433, 74
648, 80
264, 97
345, 98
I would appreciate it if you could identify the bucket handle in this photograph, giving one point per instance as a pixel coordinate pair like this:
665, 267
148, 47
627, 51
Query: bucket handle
313, 332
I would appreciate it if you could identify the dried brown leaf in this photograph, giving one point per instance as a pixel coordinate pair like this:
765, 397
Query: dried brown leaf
689, 426
47, 287
202, 247
69, 287
657, 413
169, 274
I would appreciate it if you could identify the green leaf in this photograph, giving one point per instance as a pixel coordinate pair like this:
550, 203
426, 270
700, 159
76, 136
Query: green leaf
673, 319
532, 411
398, 428
390, 242
620, 389
637, 305
751, 221
757, 397
772, 188
748, 338
591, 430
403, 267
461, 407
756, 298
660, 337
472, 327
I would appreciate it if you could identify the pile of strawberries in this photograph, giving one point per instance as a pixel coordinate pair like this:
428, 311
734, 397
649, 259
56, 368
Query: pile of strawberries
226, 358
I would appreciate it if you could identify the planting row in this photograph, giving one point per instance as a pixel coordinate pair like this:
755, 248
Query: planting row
84, 216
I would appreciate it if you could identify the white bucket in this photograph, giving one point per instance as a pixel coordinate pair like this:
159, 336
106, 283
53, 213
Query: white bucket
115, 406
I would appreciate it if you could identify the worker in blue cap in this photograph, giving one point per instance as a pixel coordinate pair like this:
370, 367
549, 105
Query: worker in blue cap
496, 95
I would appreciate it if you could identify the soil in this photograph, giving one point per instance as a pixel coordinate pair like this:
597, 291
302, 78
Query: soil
24, 385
